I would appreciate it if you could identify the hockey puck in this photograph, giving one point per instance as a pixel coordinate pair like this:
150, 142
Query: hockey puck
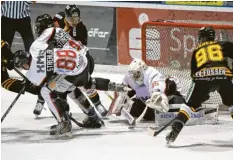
131, 127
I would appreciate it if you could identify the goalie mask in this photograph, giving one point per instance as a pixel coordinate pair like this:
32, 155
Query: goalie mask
136, 70
206, 34
43, 22
72, 15
22, 59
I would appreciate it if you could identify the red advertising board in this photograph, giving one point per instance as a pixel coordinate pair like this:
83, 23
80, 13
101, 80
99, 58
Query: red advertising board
130, 20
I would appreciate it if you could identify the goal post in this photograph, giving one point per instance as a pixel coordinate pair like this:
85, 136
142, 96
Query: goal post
168, 46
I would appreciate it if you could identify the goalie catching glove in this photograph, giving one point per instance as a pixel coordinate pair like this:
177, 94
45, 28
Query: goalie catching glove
159, 102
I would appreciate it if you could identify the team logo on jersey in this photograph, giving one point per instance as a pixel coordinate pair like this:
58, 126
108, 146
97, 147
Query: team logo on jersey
61, 38
40, 62
52, 85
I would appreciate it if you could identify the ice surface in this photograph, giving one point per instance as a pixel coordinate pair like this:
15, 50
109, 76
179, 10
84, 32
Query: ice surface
26, 138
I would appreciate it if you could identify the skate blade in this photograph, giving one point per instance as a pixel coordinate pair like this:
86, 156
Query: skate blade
61, 136
69, 134
168, 144
36, 116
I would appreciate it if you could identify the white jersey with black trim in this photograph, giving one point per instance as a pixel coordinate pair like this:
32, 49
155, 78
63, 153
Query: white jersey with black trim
41, 43
65, 61
57, 35
154, 81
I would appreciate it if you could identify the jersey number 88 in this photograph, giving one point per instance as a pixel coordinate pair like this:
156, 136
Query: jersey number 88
66, 59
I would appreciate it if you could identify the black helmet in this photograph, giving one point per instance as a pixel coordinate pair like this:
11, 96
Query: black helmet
72, 10
43, 22
21, 58
206, 34
59, 17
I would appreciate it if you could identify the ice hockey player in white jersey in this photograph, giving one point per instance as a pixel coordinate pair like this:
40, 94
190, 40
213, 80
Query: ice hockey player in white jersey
149, 87
50, 37
59, 72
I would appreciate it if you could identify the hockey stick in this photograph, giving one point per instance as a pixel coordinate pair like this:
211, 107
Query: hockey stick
16, 98
21, 74
12, 104
154, 132
82, 89
74, 120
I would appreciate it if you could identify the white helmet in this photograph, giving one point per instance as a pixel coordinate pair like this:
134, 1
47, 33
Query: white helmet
136, 70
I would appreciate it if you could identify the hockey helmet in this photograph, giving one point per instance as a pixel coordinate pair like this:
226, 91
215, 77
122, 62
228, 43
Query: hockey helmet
136, 70
21, 58
206, 34
43, 22
72, 14
59, 18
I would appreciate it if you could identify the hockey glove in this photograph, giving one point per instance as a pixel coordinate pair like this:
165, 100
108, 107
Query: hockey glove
30, 88
8, 63
159, 102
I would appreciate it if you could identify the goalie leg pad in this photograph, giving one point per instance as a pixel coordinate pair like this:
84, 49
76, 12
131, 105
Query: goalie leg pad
121, 100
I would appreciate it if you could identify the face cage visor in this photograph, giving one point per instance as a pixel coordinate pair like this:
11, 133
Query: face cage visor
73, 20
137, 76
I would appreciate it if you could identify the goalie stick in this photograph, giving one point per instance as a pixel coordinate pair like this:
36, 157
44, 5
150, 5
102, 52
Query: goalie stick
154, 132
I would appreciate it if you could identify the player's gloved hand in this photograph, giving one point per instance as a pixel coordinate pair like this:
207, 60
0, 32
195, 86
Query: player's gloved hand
29, 87
112, 86
9, 64
158, 101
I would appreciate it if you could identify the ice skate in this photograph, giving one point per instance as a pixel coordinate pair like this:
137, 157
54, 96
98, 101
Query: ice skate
92, 122
63, 127
176, 128
39, 107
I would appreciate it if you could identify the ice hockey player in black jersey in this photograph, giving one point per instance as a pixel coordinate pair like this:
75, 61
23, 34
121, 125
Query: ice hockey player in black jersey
7, 63
211, 70
74, 25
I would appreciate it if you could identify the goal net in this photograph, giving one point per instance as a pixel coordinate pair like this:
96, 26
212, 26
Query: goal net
168, 46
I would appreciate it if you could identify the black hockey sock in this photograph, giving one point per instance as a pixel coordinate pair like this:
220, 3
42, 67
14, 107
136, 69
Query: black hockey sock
182, 116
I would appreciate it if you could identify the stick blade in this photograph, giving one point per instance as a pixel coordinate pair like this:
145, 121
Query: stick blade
151, 131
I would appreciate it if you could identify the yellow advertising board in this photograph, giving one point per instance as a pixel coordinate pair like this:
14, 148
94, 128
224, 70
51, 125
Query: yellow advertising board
197, 3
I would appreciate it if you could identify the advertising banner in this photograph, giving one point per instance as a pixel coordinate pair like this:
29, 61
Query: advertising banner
100, 23
197, 3
229, 3
129, 22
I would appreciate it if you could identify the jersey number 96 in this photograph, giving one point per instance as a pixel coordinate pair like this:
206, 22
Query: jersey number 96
209, 53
